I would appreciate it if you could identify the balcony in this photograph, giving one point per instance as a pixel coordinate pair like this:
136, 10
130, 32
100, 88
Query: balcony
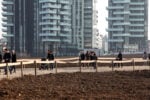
7, 2
4, 30
51, 17
50, 40
4, 7
66, 7
47, 34
65, 24
138, 9
7, 35
121, 12
67, 29
67, 18
121, 23
136, 36
65, 35
67, 40
122, 35
115, 18
121, 1
64, 2
137, 19
65, 13
137, 3
48, 12
114, 29
46, 1
51, 6
51, 29
115, 40
48, 23
7, 24
114, 7
137, 25
7, 13
4, 19
137, 14
136, 30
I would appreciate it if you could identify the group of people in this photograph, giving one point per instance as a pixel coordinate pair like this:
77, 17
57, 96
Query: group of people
89, 55
146, 55
6, 58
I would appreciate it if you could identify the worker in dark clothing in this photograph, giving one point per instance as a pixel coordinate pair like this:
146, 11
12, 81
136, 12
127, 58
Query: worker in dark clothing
7, 58
1, 58
82, 57
119, 57
50, 56
13, 59
93, 57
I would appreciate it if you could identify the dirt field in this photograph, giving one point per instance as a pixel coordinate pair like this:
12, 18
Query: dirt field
79, 86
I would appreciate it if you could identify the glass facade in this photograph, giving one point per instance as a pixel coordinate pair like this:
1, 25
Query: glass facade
18, 25
54, 25
8, 22
127, 25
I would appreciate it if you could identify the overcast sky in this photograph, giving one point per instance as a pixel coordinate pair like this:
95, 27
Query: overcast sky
102, 14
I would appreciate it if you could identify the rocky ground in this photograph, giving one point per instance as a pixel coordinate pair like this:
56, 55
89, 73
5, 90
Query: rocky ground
78, 86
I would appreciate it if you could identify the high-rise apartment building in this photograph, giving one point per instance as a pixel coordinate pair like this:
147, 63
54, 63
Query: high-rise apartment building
127, 25
78, 23
90, 21
18, 25
55, 30
84, 20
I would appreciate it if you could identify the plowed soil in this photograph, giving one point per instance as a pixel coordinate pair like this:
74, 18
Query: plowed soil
78, 86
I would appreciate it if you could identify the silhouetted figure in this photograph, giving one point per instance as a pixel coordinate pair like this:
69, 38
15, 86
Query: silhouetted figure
145, 55
7, 58
13, 60
1, 58
119, 57
50, 56
94, 57
82, 57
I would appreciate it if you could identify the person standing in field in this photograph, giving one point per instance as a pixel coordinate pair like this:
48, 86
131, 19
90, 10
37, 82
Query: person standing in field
145, 55
82, 57
7, 58
13, 59
50, 56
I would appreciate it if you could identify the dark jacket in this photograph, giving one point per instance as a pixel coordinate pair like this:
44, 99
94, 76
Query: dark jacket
119, 57
82, 56
50, 56
7, 57
1, 58
13, 58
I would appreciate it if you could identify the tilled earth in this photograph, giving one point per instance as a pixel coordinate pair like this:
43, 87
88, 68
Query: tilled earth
79, 86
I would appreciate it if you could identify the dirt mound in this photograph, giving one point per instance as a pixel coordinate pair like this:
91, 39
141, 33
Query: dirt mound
79, 86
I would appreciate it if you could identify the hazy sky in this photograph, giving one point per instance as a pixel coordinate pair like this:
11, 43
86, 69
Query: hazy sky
102, 14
